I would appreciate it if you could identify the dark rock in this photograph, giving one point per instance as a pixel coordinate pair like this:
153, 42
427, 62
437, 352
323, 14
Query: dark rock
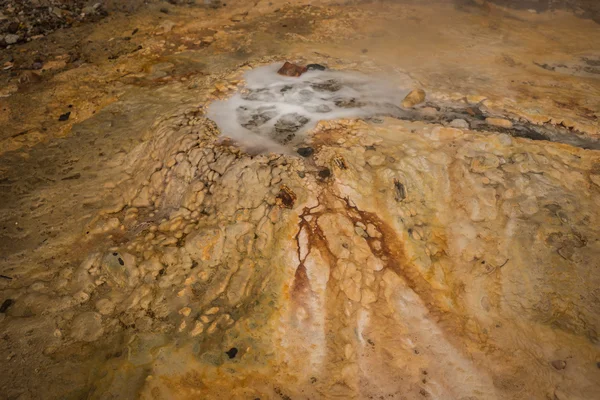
287, 126
65, 116
315, 67
325, 173
289, 69
136, 30
6, 304
306, 151
285, 198
260, 95
232, 352
400, 190
252, 119
330, 85
164, 10
13, 27
348, 103
559, 364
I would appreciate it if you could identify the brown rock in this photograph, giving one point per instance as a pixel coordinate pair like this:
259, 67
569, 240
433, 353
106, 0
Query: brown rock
285, 198
290, 69
415, 97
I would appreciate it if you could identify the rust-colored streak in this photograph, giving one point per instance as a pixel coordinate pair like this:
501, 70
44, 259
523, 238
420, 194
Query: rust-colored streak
301, 290
392, 254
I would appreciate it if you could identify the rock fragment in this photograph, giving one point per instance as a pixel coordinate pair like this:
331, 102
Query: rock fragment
6, 304
559, 364
232, 352
11, 38
499, 122
315, 67
324, 173
306, 151
286, 197
289, 69
415, 97
459, 124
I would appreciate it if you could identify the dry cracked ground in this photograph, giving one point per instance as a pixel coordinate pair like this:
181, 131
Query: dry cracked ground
448, 252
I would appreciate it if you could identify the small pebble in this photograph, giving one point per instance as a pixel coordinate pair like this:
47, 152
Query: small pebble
325, 173
315, 67
232, 352
306, 151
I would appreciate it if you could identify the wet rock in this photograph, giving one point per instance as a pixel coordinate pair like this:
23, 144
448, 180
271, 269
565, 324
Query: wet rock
289, 69
499, 122
330, 85
287, 125
259, 95
415, 97
315, 67
321, 108
87, 327
349, 103
559, 364
306, 151
252, 119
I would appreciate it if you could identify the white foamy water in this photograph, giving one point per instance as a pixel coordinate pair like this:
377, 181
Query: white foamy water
274, 112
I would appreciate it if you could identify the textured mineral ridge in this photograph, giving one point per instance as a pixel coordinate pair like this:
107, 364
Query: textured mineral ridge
446, 250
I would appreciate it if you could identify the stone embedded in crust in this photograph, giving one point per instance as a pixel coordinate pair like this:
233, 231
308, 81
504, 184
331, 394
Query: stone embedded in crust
289, 69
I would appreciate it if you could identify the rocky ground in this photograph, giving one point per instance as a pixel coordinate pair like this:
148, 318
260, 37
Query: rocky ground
448, 250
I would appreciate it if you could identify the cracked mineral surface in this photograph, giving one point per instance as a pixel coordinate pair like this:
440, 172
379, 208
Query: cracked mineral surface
411, 211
